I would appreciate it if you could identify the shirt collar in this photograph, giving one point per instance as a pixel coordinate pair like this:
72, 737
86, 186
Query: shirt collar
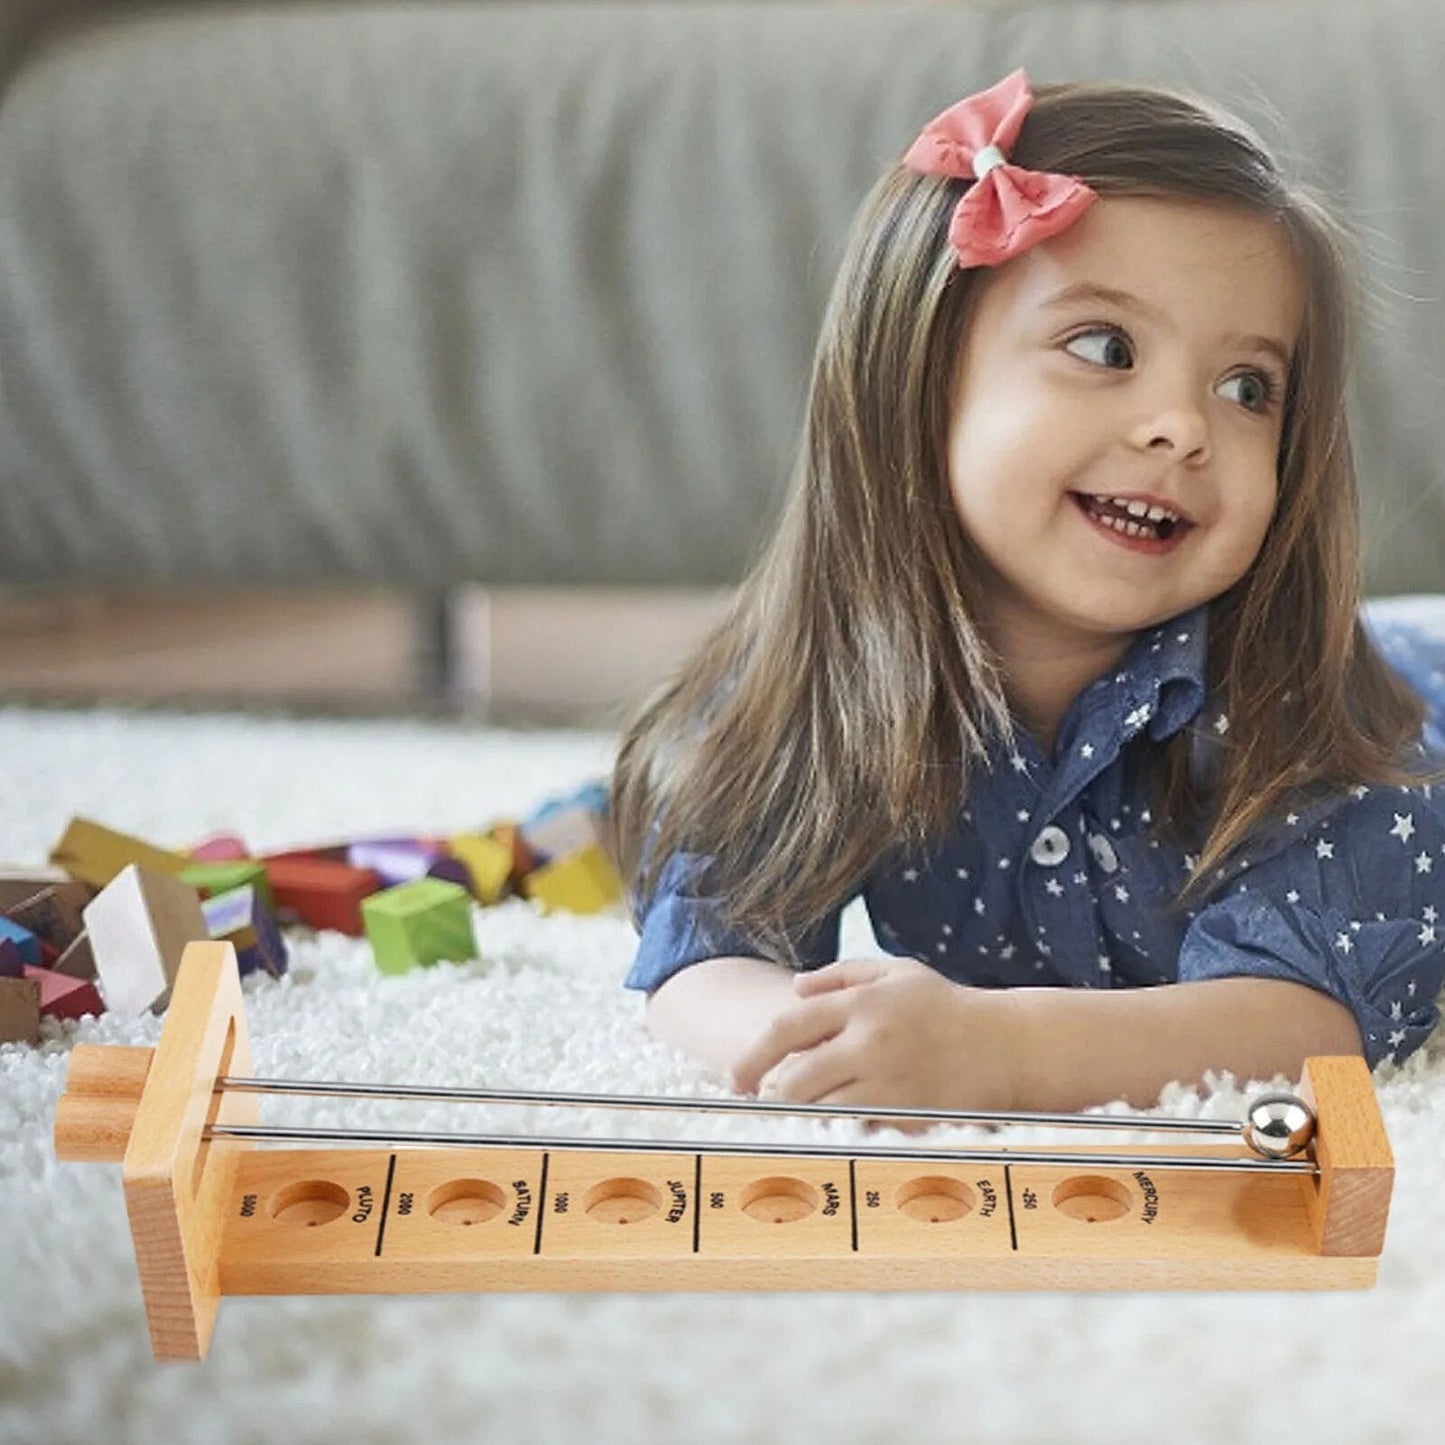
1163, 674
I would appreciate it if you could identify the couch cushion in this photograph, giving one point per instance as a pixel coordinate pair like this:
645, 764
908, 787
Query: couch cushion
528, 293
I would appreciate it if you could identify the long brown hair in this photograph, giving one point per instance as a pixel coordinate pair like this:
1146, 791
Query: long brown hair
835, 716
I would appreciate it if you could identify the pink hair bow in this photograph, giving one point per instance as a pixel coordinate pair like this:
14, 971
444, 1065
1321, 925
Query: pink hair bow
1008, 209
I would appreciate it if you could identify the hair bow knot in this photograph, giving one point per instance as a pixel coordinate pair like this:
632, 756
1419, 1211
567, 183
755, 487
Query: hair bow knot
1007, 209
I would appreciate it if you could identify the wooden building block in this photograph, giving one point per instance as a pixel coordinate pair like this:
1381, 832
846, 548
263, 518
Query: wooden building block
584, 882
19, 1010
20, 939
404, 860
139, 926
62, 997
12, 964
209, 879
414, 924
524, 860
17, 883
242, 919
321, 892
562, 833
78, 961
95, 854
489, 862
1350, 1208
53, 913
220, 848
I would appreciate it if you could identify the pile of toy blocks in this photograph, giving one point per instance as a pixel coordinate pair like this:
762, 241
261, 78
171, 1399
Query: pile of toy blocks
105, 926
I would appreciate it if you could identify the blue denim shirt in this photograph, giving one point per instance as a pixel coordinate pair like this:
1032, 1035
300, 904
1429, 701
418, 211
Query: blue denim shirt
1049, 879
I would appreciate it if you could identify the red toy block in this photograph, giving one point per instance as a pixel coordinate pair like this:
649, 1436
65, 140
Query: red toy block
62, 997
321, 892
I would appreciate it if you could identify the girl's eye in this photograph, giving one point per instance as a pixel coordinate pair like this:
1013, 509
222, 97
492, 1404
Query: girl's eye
1108, 346
1111, 347
1258, 384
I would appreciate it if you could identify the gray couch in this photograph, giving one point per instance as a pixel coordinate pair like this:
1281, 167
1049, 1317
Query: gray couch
425, 294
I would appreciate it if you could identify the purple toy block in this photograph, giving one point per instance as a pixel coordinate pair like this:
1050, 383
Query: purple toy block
397, 860
12, 961
241, 916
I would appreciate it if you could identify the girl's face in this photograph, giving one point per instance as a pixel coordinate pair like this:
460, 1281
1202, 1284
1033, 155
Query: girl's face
1145, 350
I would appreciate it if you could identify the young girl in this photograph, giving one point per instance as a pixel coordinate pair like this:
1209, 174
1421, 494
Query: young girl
1056, 657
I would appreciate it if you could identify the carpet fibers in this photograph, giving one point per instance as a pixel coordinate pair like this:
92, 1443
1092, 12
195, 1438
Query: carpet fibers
543, 1008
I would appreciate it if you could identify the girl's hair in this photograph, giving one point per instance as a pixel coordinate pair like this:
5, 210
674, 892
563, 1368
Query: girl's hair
833, 719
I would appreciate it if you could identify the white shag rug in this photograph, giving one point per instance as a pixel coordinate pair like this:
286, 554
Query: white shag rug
543, 1008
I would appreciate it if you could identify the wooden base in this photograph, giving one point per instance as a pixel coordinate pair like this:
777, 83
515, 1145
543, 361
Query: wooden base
222, 1217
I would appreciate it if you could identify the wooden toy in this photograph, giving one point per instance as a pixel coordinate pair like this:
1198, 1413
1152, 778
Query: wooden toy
12, 961
584, 882
404, 860
20, 939
242, 919
18, 883
139, 925
78, 960
95, 854
562, 832
418, 923
210, 879
220, 848
52, 913
1297, 1199
322, 892
62, 997
19, 1010
489, 862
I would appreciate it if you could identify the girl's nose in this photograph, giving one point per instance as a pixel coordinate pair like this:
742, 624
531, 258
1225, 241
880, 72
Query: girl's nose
1180, 430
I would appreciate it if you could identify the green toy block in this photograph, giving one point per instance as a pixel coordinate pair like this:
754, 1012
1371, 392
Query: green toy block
422, 922
209, 879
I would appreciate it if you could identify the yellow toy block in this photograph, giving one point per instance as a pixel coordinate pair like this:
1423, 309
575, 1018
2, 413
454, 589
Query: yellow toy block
584, 882
487, 859
95, 854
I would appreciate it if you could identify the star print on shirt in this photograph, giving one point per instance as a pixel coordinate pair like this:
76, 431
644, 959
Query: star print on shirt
1328, 900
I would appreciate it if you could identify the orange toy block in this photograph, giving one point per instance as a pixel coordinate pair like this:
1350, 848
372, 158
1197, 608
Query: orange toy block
321, 892
139, 925
95, 854
584, 882
523, 859
19, 1011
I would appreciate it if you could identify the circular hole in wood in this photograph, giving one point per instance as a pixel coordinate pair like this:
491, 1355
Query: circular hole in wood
935, 1200
622, 1201
311, 1202
778, 1201
1092, 1199
466, 1201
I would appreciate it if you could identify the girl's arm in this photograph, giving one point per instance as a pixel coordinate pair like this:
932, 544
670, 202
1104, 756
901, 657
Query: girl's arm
712, 1010
1079, 1047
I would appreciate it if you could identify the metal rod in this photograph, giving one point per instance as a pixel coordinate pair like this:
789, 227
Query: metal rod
719, 1106
802, 1151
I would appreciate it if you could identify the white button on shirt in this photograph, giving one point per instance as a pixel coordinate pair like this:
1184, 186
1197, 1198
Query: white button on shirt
1051, 847
1103, 851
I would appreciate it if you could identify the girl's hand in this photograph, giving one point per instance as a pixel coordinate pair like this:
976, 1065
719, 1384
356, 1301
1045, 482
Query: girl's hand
891, 1032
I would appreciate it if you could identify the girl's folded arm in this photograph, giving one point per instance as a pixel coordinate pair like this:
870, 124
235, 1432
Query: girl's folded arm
1081, 1047
713, 1009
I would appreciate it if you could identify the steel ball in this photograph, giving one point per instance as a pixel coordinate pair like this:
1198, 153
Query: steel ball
1279, 1126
